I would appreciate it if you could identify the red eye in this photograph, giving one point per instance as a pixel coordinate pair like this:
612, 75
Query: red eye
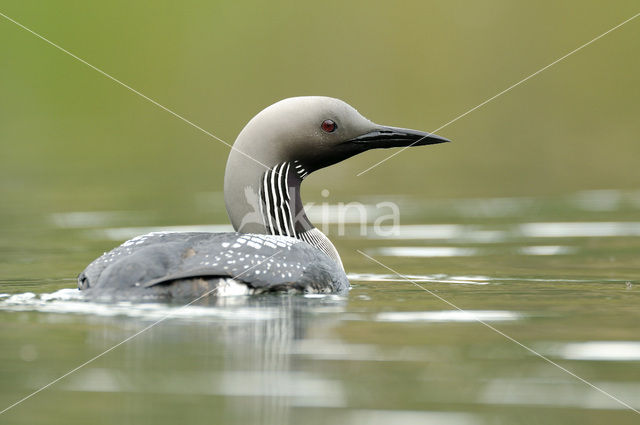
329, 126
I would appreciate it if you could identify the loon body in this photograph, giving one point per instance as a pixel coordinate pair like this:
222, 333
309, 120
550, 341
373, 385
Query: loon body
275, 246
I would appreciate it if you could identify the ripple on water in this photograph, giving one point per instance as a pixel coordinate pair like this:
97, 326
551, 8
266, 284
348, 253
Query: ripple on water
447, 251
435, 278
596, 350
301, 388
426, 251
546, 250
407, 417
449, 316
579, 229
446, 232
559, 392
72, 301
517, 231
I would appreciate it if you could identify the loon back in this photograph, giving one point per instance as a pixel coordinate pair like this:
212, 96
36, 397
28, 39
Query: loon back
184, 265
276, 247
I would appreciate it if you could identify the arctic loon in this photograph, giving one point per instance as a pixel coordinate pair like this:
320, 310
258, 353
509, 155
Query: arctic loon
275, 246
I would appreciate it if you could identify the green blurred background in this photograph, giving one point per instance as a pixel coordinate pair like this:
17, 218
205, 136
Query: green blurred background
71, 139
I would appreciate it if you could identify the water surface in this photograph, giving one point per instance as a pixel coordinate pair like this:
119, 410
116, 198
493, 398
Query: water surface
558, 275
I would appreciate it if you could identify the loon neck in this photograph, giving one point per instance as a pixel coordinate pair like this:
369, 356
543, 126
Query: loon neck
281, 207
268, 201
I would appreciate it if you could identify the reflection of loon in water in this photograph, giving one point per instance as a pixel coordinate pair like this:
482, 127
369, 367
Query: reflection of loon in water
262, 359
243, 366
276, 247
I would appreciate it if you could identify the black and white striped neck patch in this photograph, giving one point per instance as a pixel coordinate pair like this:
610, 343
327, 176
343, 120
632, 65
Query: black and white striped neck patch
276, 206
278, 211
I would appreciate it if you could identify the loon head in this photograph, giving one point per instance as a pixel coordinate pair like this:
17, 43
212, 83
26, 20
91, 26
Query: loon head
285, 142
317, 132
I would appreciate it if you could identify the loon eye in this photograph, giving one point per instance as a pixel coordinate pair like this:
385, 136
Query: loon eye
329, 126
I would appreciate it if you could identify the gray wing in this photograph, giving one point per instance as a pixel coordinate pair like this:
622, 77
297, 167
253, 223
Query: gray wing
262, 262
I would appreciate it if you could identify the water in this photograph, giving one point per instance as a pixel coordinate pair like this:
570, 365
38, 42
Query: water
440, 344
497, 223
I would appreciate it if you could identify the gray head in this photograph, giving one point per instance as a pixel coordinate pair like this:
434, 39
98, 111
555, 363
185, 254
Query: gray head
287, 141
317, 131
